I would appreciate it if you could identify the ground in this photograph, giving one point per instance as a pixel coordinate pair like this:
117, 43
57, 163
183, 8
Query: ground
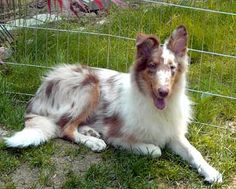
61, 164
73, 166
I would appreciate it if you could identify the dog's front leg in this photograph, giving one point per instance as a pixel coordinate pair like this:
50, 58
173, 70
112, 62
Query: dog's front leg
145, 149
138, 147
182, 147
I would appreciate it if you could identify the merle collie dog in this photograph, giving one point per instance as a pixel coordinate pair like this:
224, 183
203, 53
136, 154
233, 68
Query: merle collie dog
142, 111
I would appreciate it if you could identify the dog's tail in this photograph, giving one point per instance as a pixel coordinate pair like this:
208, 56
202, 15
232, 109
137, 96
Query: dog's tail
38, 129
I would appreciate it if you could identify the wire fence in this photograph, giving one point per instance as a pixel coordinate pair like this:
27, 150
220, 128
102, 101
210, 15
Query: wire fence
28, 23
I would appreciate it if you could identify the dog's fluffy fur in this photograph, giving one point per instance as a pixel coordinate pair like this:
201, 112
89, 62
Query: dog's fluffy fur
143, 111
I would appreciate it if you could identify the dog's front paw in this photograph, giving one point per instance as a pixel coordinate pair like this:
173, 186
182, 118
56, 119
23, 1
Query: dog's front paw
95, 144
147, 149
214, 176
155, 152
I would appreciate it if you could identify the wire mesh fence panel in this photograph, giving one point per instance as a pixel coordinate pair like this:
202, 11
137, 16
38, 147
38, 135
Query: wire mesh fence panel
43, 39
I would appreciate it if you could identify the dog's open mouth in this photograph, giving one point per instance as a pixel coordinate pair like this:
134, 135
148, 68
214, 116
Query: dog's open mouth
160, 103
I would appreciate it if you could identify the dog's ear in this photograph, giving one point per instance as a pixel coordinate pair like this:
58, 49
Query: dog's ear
178, 40
145, 45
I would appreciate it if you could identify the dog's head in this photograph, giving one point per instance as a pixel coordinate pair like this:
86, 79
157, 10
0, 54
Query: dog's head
157, 69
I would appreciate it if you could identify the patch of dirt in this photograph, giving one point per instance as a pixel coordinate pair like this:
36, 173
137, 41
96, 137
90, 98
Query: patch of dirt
3, 132
77, 164
232, 185
27, 177
231, 125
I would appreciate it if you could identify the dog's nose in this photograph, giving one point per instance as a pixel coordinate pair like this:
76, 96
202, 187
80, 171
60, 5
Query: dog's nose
163, 92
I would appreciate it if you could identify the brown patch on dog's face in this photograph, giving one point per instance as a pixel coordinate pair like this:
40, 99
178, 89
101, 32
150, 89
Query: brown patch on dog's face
145, 46
158, 69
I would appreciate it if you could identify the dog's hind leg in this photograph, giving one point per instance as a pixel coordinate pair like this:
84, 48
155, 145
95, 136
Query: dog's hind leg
70, 129
93, 142
88, 131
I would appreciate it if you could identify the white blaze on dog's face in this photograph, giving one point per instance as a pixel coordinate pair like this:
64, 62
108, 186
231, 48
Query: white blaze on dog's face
157, 69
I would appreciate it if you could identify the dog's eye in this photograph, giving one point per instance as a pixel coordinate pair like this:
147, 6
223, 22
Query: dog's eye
172, 67
152, 66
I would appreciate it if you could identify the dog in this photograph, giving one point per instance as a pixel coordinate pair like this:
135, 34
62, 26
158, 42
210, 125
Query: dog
141, 111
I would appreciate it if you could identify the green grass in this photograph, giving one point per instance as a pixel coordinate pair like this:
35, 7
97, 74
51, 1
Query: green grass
115, 168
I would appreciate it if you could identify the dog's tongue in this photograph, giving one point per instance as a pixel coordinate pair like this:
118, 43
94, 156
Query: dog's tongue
160, 103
